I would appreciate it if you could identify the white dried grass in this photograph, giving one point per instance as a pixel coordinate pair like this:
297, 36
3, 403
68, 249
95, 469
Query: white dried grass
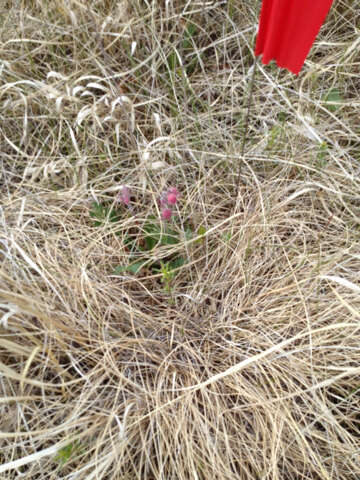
250, 370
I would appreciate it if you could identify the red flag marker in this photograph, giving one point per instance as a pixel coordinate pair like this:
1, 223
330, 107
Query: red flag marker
288, 29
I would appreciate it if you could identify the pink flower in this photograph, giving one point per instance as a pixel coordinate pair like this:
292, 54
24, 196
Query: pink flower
166, 214
172, 195
166, 201
171, 198
124, 195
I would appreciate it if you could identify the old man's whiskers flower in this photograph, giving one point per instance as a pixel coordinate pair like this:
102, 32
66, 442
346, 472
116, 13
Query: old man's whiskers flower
167, 200
124, 195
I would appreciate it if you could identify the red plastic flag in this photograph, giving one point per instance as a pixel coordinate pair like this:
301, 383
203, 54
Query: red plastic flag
288, 29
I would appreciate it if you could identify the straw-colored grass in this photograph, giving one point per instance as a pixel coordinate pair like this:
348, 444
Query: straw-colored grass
243, 363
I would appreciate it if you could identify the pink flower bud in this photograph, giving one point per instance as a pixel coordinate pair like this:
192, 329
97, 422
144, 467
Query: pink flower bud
124, 195
166, 214
171, 198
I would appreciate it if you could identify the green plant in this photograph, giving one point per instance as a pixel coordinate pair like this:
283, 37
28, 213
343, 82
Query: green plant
155, 234
101, 214
333, 100
274, 134
158, 234
65, 453
201, 232
226, 237
168, 271
183, 58
134, 267
322, 154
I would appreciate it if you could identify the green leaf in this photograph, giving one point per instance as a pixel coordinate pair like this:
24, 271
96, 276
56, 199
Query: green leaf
169, 269
65, 453
114, 215
150, 242
273, 136
201, 232
155, 236
322, 155
169, 238
190, 31
130, 244
177, 263
188, 233
173, 61
101, 213
332, 100
226, 236
132, 268
282, 116
97, 211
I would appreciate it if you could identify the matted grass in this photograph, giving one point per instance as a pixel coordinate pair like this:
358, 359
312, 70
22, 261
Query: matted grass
231, 351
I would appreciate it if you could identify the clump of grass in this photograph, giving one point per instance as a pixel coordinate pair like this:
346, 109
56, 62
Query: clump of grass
232, 349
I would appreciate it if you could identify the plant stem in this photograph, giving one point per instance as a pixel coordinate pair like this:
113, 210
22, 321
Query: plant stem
246, 128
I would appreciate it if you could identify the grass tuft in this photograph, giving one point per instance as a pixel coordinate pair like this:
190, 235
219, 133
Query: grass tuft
223, 341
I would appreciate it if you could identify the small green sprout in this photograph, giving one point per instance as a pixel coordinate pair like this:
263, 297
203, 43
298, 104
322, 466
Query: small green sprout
65, 453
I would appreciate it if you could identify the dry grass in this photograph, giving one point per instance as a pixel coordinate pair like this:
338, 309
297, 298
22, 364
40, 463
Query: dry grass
245, 365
